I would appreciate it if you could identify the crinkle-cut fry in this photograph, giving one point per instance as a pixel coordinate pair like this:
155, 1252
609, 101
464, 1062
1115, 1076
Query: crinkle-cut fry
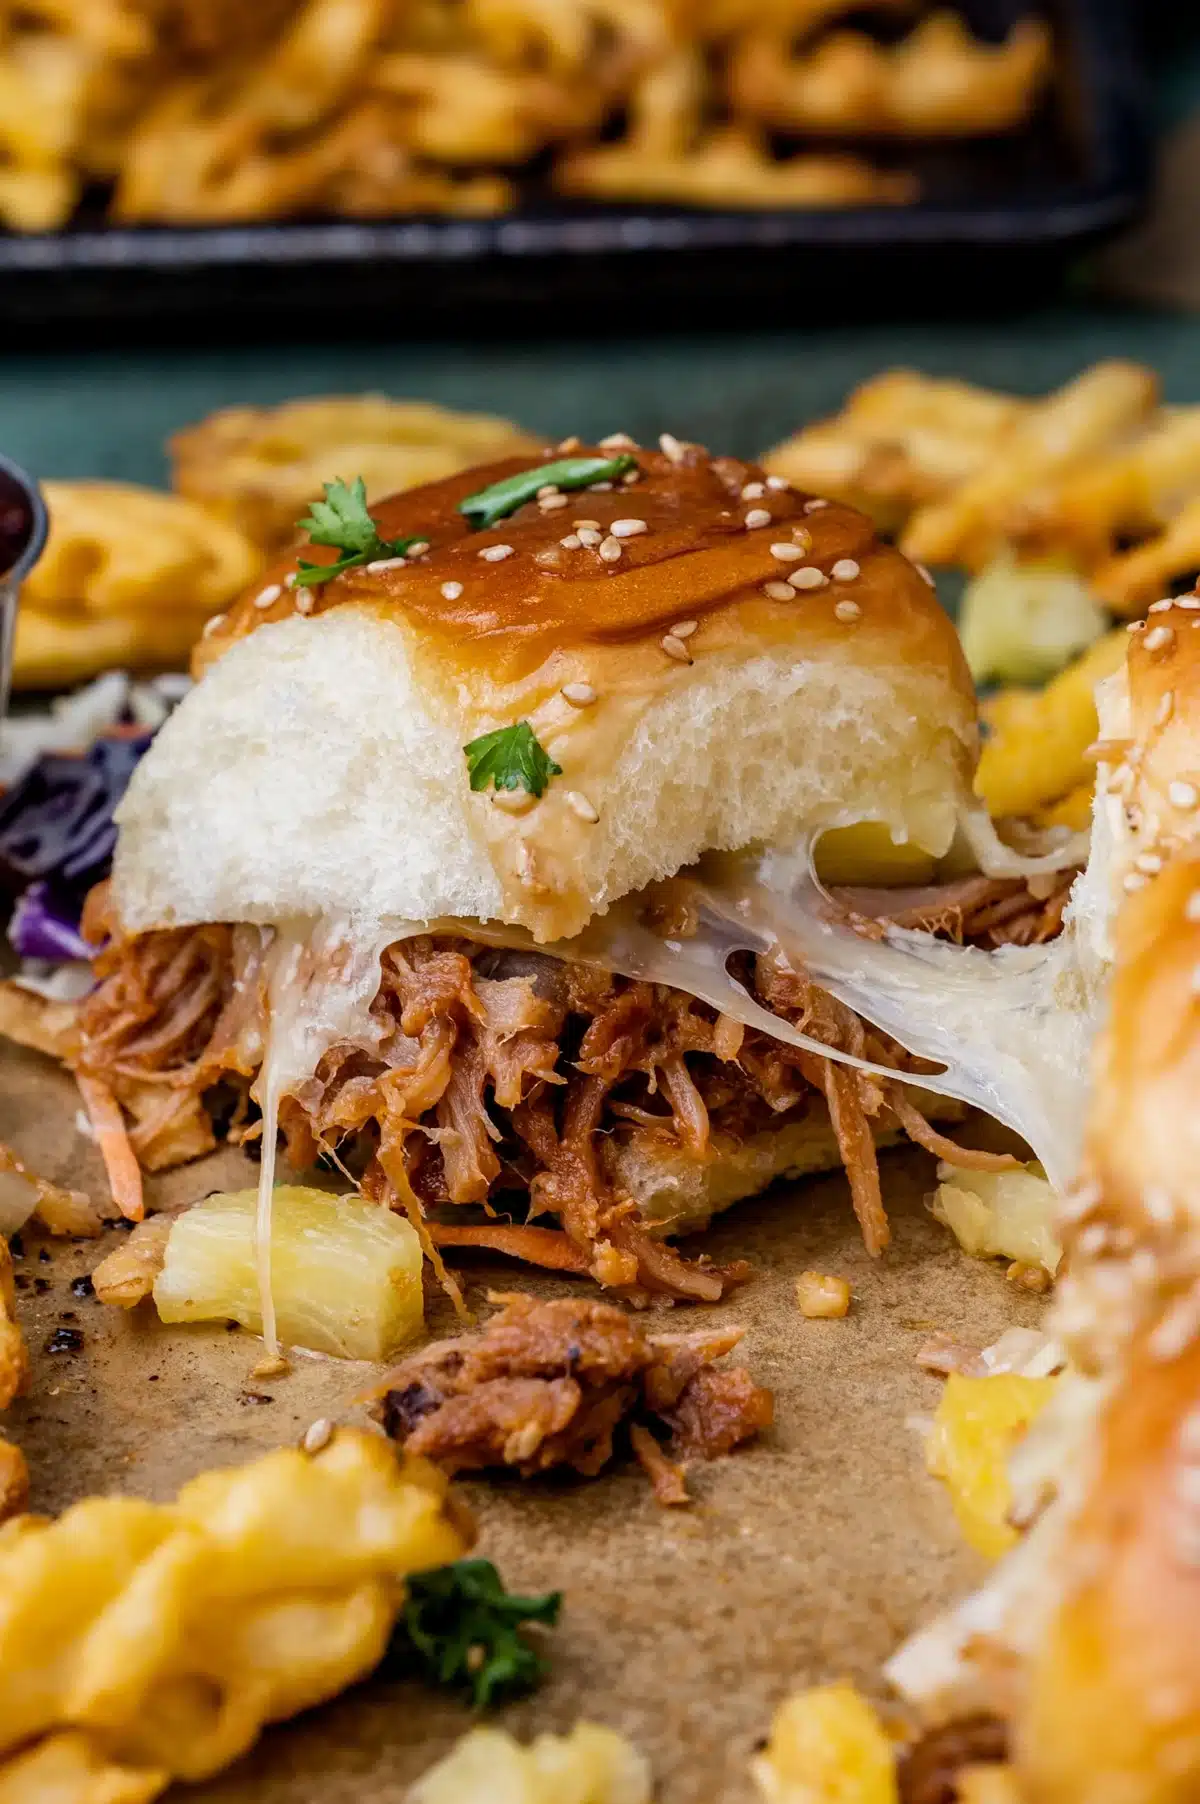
732, 168
1135, 488
1088, 415
65, 1212
127, 1275
589, 1765
35, 1021
939, 81
460, 109
565, 36
174, 1633
901, 440
114, 548
1036, 752
1131, 579
259, 467
716, 20
73, 1768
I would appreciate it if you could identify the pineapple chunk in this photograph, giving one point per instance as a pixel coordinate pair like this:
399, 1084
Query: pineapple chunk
1005, 1214
827, 1746
345, 1274
591, 1765
977, 1424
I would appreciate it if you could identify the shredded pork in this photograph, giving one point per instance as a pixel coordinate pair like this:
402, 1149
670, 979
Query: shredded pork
550, 1384
497, 1083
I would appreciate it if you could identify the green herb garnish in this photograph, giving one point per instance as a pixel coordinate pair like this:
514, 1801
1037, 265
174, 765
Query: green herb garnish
460, 1627
342, 520
505, 497
510, 758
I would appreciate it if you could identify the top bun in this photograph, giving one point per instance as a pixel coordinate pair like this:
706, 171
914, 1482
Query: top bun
646, 630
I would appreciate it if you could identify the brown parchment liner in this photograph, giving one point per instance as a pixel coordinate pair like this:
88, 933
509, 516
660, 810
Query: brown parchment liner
805, 1557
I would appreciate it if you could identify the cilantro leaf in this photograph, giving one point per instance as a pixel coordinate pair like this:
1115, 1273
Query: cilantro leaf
502, 498
461, 1628
510, 758
342, 520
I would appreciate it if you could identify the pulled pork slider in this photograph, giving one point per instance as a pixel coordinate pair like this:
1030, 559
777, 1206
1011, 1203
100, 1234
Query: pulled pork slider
402, 859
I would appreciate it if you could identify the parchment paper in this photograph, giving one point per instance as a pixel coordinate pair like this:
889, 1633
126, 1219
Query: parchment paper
805, 1557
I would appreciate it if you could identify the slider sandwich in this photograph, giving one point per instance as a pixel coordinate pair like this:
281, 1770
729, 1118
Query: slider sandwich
486, 859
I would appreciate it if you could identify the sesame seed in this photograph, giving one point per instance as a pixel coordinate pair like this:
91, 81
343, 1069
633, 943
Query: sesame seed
779, 591
1195, 982
1191, 602
550, 504
318, 1434
1162, 713
492, 554
589, 535
753, 491
618, 441
1136, 626
452, 591
513, 801
305, 601
213, 625
758, 516
610, 549
1183, 795
1150, 862
587, 811
808, 578
778, 482
670, 447
675, 648
1189, 1433
683, 629
925, 574
787, 554
1131, 881
569, 444
572, 542
847, 610
580, 695
269, 596
630, 477
586, 525
1159, 637
378, 565
814, 506
548, 488
291, 579
1191, 908
845, 570
1161, 607
627, 529
418, 548
599, 488
1157, 1203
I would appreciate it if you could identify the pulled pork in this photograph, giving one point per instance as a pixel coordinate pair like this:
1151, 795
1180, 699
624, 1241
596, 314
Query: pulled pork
549, 1384
498, 1080
978, 911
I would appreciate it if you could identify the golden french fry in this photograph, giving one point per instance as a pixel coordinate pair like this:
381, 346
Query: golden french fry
259, 467
1131, 579
1135, 488
902, 439
1090, 414
939, 81
1035, 753
590, 1765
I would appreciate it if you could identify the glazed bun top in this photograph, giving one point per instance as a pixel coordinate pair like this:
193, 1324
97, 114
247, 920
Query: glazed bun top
710, 659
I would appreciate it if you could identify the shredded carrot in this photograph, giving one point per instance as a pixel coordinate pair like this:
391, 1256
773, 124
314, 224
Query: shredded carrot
546, 1247
112, 1137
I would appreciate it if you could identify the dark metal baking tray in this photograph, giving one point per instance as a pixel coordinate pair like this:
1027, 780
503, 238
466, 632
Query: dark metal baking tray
998, 219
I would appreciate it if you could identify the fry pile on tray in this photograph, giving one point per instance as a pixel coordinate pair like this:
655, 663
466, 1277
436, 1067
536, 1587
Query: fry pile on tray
194, 111
1085, 503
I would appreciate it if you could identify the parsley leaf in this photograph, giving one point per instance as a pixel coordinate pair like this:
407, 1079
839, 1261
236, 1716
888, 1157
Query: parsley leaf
343, 521
510, 758
460, 1627
504, 497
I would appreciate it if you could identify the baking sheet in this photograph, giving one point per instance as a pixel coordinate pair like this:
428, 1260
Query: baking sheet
805, 1557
